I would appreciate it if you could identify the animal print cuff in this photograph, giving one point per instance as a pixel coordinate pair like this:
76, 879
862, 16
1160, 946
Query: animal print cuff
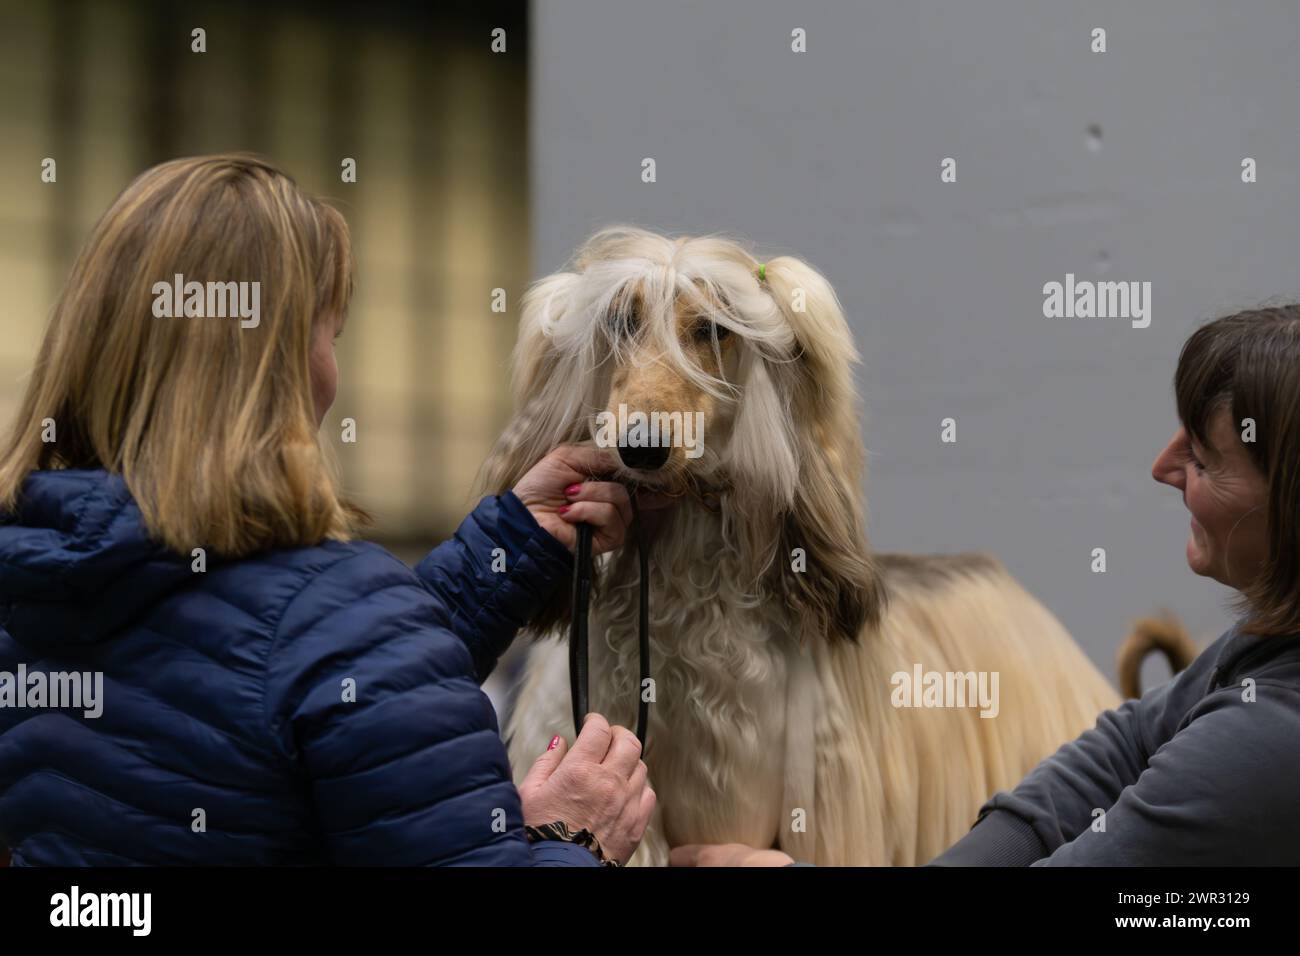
559, 830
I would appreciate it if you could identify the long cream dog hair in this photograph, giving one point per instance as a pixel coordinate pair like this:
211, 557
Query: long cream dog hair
777, 633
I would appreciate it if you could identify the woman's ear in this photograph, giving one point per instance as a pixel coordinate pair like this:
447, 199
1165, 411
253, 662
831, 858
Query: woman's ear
839, 590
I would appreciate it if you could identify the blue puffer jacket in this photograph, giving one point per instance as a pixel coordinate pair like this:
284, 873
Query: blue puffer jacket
228, 734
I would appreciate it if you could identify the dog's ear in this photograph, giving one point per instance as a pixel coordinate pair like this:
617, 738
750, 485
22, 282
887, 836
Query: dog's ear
543, 414
546, 410
840, 591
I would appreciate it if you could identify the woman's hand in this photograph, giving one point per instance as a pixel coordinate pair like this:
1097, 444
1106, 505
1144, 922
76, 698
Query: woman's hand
600, 785
726, 854
560, 492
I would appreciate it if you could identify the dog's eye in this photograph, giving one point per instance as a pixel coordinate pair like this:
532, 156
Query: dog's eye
624, 323
705, 330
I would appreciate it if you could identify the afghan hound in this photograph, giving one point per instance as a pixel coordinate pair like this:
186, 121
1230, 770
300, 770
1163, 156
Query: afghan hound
808, 693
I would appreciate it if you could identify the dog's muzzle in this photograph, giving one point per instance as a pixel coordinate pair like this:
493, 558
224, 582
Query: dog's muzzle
644, 457
578, 629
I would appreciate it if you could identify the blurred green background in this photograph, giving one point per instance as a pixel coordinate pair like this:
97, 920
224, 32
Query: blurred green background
437, 124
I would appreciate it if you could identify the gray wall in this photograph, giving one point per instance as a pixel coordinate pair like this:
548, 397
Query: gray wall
834, 155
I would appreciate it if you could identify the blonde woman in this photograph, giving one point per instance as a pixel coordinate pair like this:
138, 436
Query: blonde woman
198, 661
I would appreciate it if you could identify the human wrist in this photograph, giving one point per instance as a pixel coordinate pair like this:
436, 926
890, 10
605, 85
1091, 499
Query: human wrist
559, 830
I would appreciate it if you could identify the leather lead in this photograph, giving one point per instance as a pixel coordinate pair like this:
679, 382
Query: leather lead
578, 658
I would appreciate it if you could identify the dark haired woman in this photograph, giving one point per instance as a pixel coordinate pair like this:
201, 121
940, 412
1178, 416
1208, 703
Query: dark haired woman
1204, 770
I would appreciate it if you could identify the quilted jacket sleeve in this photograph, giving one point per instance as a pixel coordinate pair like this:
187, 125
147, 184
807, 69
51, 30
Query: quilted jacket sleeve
494, 575
373, 701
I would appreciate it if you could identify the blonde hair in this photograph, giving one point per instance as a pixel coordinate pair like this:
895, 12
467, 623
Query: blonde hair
210, 424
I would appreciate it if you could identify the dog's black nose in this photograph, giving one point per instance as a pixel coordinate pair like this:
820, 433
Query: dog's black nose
643, 457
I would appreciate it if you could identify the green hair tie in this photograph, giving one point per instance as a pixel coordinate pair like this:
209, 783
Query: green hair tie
762, 272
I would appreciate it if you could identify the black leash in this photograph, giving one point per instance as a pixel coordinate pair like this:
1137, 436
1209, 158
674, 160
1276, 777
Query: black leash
578, 630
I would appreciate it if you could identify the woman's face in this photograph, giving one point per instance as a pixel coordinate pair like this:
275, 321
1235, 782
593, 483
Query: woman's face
1226, 495
324, 368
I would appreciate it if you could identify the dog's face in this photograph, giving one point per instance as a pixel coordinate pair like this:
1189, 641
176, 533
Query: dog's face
713, 377
671, 405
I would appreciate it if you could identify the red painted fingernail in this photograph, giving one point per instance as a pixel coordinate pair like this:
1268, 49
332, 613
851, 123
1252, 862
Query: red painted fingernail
562, 509
555, 742
572, 490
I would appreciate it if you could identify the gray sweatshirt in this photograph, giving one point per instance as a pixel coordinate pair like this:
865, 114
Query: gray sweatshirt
1204, 770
